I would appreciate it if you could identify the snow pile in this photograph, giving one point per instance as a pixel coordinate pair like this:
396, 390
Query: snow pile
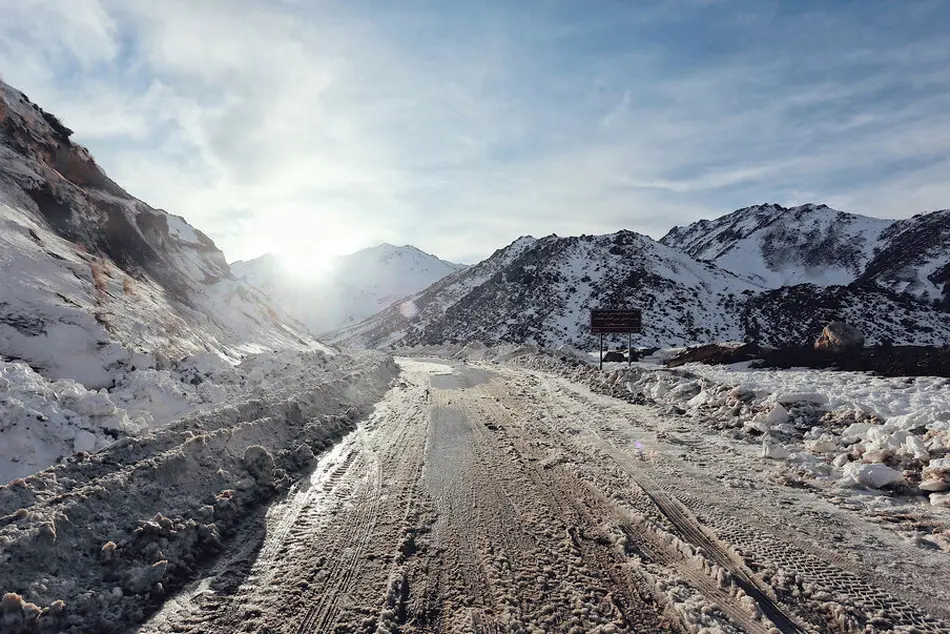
154, 397
478, 351
885, 396
821, 427
43, 422
93, 541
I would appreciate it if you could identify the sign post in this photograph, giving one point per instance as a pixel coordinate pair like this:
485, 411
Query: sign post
622, 321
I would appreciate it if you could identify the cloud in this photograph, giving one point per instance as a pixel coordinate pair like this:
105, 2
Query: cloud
330, 126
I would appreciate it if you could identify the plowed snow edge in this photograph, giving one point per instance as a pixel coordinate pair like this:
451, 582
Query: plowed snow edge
94, 545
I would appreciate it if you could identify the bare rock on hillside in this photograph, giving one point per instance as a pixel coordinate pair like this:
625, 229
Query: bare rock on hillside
838, 337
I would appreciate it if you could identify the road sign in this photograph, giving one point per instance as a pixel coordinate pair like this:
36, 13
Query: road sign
615, 321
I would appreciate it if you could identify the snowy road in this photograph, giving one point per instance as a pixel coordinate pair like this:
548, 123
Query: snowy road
490, 499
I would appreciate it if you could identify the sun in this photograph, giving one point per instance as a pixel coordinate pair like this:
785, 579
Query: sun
308, 265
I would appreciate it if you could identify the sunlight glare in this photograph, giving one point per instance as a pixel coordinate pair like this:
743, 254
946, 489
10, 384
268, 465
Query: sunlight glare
314, 265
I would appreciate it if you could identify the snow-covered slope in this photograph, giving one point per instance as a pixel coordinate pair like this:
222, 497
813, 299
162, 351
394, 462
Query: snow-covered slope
796, 315
352, 288
539, 291
914, 257
814, 244
95, 282
780, 247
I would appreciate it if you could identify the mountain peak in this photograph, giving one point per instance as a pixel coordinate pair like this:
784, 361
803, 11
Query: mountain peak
814, 243
357, 286
770, 273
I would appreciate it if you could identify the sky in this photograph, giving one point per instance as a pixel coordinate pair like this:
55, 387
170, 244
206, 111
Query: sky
309, 128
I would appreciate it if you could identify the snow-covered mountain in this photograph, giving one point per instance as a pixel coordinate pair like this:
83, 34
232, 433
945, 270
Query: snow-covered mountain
95, 281
540, 290
764, 273
351, 288
913, 256
814, 244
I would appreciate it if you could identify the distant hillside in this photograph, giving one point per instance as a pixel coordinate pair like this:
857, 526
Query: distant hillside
540, 290
818, 245
354, 287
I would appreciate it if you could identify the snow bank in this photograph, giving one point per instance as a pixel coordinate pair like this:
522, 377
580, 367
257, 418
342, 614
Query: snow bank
817, 420
94, 540
884, 396
43, 422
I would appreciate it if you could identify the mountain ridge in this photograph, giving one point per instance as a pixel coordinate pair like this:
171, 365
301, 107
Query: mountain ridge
817, 244
103, 278
538, 290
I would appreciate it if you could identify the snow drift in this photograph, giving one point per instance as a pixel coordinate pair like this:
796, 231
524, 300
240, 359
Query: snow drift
89, 544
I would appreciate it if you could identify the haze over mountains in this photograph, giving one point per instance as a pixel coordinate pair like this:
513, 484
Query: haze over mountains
351, 288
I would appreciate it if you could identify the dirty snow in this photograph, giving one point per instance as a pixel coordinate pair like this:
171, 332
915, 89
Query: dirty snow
43, 422
885, 396
848, 428
87, 543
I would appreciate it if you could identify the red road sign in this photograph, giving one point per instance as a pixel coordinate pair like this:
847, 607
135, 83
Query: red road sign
615, 321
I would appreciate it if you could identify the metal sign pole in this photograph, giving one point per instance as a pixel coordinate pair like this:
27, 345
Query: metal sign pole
629, 349
601, 351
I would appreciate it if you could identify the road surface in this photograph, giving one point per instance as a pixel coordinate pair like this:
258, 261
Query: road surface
494, 499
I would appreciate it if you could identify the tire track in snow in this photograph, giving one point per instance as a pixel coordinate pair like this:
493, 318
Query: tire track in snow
647, 541
826, 584
548, 521
330, 544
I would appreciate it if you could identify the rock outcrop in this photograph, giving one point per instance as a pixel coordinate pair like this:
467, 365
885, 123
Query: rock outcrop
839, 337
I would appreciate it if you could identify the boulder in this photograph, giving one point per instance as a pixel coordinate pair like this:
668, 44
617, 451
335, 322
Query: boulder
765, 421
614, 356
838, 337
826, 443
774, 451
934, 485
717, 354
